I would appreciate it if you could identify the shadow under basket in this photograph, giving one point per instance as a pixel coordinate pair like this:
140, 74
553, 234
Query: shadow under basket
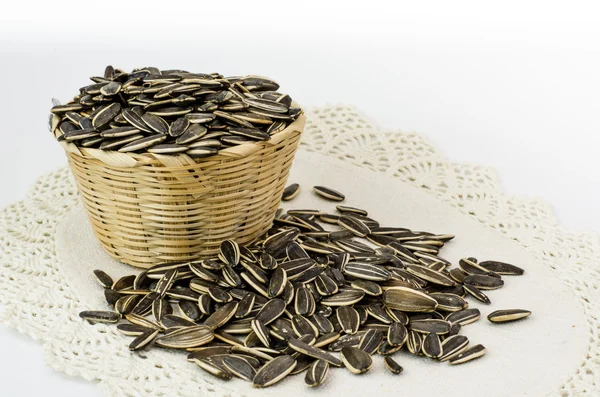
149, 208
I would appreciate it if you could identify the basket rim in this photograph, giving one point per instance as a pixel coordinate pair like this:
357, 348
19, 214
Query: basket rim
116, 158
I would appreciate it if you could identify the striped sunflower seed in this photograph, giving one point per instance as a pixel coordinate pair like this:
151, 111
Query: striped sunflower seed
507, 315
452, 346
316, 374
408, 300
328, 193
392, 365
468, 355
274, 371
356, 360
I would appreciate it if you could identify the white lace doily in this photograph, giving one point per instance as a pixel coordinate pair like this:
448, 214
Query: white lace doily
39, 301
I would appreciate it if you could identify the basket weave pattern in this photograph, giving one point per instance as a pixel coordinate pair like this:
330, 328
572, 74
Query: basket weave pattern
148, 208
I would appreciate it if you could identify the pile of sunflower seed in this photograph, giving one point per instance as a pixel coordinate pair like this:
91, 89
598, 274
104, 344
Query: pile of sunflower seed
302, 298
173, 111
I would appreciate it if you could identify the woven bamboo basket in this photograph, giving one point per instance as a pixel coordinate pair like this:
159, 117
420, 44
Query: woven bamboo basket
147, 208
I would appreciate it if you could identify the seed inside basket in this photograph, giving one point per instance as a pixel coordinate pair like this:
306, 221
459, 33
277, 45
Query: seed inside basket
171, 112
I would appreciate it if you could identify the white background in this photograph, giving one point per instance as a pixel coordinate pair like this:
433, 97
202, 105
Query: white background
512, 85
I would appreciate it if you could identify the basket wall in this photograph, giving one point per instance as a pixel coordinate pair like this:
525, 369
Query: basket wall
153, 212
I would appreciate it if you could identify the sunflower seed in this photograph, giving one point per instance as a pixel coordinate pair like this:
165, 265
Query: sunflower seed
414, 342
468, 355
476, 293
271, 311
317, 373
212, 368
484, 282
366, 271
143, 340
274, 371
306, 349
408, 300
328, 193
100, 316
504, 316
239, 367
392, 365
397, 334
452, 346
432, 346
502, 268
348, 318
104, 279
430, 275
356, 360
370, 341
304, 301
221, 316
344, 297
143, 143
290, 192
354, 225
464, 317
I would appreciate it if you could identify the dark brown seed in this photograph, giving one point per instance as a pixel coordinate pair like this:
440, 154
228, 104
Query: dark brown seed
202, 152
178, 127
261, 331
143, 143
453, 345
143, 340
212, 368
290, 192
449, 302
110, 89
111, 296
306, 349
356, 360
221, 316
392, 365
240, 367
433, 326
430, 275
100, 316
468, 355
304, 301
371, 341
408, 300
230, 252
132, 329
252, 133
354, 225
484, 282
502, 268
432, 346
186, 337
271, 311
366, 271
104, 279
317, 373
345, 297
274, 371
464, 317
348, 318
144, 306
328, 193
504, 316
106, 114
476, 293
414, 343
397, 334
191, 134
